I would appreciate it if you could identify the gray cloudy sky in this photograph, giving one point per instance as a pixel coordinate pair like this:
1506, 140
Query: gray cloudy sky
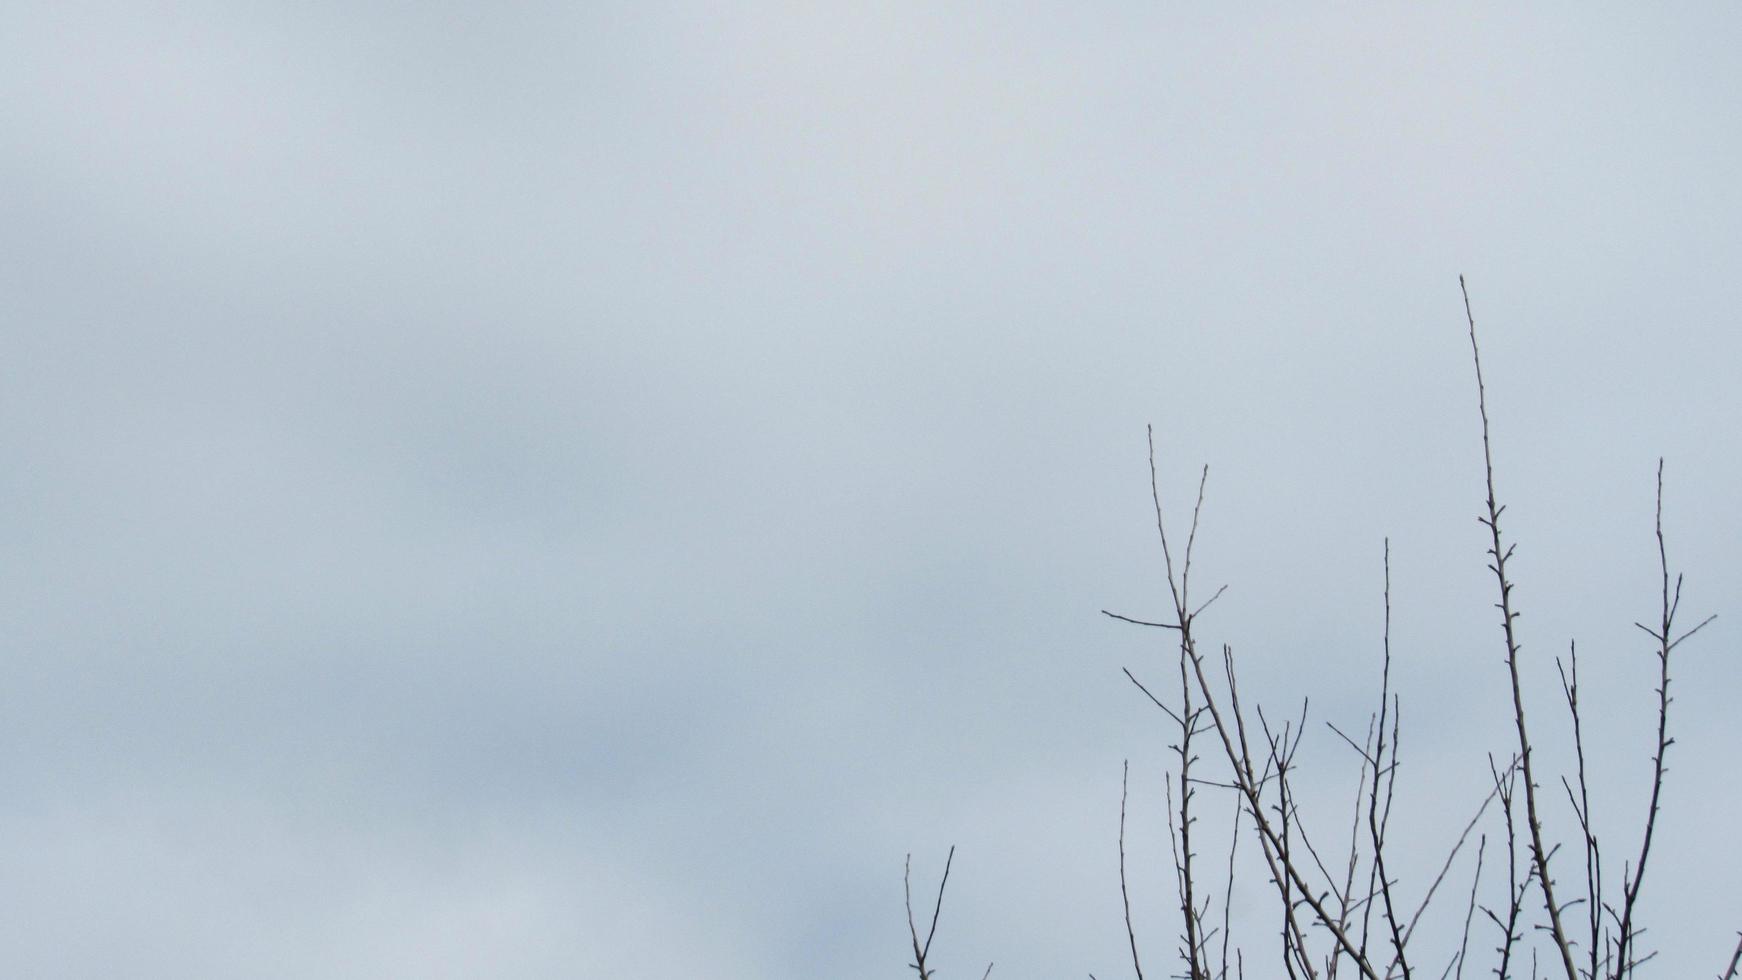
581, 490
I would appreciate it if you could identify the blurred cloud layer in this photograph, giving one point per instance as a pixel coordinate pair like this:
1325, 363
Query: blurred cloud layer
553, 490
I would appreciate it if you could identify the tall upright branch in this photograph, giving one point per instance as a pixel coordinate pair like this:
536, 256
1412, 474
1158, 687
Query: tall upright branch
1500, 553
1625, 958
1582, 809
1375, 830
1196, 966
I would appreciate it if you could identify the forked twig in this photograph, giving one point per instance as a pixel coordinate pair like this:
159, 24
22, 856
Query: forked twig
920, 951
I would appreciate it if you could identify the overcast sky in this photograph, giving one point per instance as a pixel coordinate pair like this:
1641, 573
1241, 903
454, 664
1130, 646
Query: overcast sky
581, 490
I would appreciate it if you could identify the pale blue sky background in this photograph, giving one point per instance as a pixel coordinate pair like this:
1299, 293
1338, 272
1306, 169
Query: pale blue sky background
581, 490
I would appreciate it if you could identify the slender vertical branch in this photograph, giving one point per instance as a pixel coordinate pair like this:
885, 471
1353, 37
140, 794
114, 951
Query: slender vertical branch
1187, 718
1506, 786
1196, 968
1375, 831
1625, 958
1228, 891
1582, 809
1470, 912
1372, 898
1179, 601
1348, 889
1124, 892
1500, 553
1281, 748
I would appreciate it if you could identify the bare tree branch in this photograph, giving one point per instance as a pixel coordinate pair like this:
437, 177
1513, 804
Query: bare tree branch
1124, 893
1500, 553
921, 951
1735, 961
1665, 634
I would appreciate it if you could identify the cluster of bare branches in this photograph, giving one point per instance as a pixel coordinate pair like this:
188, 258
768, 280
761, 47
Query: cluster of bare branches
1350, 910
1352, 915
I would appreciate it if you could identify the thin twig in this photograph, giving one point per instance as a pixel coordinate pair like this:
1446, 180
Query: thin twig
1140, 622
1441, 877
1170, 712
1228, 892
1354, 839
1185, 577
1735, 961
1186, 718
1124, 894
1582, 809
1376, 831
1470, 912
1160, 525
1506, 786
